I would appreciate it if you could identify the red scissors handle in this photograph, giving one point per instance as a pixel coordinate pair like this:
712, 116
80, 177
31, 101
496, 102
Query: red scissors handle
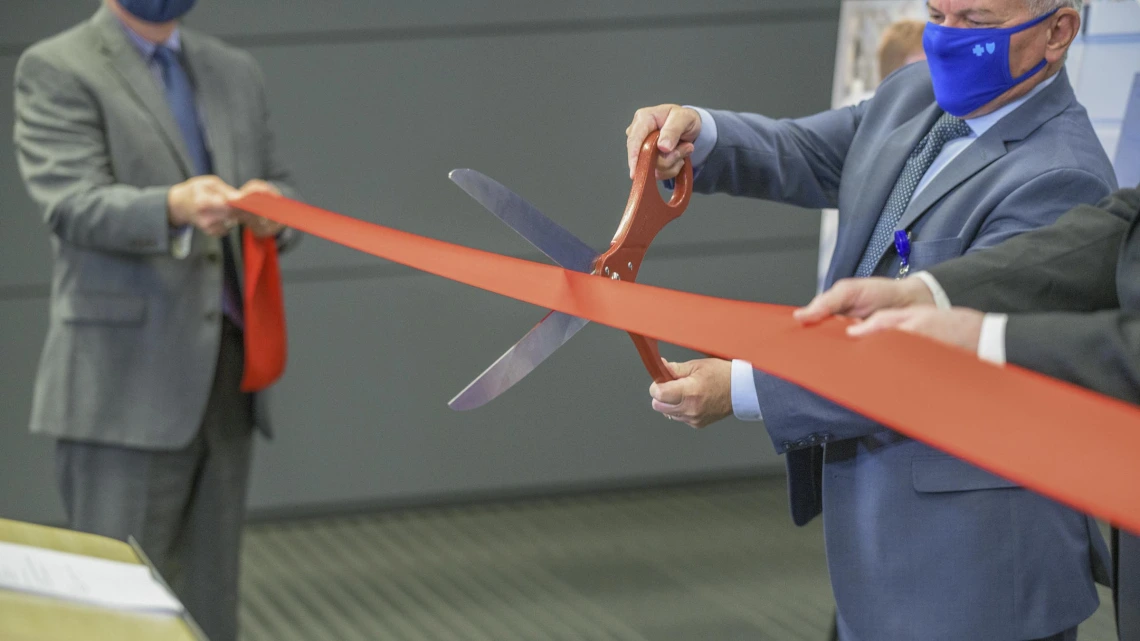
646, 213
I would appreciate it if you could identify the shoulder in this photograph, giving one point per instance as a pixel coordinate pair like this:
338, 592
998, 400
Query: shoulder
1067, 145
64, 52
221, 54
901, 96
913, 80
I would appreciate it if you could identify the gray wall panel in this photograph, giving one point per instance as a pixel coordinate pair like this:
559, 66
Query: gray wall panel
363, 412
27, 481
24, 21
372, 118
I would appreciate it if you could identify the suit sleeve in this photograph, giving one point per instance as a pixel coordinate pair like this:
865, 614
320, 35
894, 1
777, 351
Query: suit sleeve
798, 162
796, 418
65, 164
1070, 265
1097, 350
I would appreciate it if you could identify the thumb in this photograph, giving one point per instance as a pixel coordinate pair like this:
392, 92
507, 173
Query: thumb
680, 370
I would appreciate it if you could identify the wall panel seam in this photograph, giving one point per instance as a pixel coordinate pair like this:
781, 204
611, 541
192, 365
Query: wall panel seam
517, 28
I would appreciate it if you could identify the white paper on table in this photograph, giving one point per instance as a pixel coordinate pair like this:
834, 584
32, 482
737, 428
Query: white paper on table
110, 584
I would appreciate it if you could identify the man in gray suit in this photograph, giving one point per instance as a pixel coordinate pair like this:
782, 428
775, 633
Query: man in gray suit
985, 142
1063, 300
132, 134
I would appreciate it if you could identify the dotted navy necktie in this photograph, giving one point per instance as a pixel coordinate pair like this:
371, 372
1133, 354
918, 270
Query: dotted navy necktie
945, 129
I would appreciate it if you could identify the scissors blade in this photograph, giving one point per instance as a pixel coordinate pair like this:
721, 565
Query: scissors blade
548, 236
518, 361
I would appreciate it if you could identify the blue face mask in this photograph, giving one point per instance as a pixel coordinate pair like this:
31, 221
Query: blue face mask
970, 67
157, 10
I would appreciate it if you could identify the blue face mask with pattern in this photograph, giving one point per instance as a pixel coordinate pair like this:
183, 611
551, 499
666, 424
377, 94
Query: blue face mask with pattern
970, 67
157, 10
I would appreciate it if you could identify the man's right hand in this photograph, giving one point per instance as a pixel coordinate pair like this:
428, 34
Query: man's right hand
202, 201
679, 127
861, 297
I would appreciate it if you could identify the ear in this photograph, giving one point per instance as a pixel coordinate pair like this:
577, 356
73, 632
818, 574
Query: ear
1064, 27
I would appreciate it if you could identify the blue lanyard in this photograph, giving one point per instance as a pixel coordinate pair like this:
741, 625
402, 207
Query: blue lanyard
902, 246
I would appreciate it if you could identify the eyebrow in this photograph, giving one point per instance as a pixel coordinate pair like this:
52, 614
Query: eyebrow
974, 13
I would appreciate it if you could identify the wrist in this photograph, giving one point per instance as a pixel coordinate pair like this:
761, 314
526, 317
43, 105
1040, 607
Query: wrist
916, 292
173, 211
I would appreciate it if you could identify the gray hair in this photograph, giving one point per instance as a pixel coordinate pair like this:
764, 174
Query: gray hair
1041, 7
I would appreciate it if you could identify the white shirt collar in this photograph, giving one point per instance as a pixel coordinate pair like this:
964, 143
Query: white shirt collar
982, 124
145, 47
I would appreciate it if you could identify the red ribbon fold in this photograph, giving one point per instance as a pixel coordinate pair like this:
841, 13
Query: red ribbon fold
1066, 442
263, 313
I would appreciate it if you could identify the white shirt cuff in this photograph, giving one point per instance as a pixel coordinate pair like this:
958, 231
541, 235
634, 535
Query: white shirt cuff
745, 401
706, 140
180, 241
991, 341
941, 300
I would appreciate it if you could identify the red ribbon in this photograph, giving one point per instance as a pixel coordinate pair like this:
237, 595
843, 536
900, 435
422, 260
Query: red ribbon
1066, 442
263, 313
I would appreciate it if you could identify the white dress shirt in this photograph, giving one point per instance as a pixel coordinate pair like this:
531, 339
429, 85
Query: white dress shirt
745, 402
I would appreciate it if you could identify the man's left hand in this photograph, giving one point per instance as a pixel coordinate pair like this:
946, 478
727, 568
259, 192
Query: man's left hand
701, 395
956, 326
261, 227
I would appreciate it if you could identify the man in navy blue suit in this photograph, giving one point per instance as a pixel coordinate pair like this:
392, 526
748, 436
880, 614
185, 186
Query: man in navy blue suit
982, 143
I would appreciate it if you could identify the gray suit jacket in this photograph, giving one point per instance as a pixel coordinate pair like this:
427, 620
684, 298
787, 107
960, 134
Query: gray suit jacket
1073, 292
133, 333
922, 545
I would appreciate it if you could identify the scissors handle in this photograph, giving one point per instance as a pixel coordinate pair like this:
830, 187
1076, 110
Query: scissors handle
646, 214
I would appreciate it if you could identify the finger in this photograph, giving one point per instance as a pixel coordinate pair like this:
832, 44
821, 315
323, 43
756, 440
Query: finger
667, 172
677, 156
215, 229
216, 185
642, 124
665, 408
879, 321
834, 301
678, 123
645, 120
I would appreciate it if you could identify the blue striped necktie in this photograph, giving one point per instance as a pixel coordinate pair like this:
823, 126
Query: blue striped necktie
945, 129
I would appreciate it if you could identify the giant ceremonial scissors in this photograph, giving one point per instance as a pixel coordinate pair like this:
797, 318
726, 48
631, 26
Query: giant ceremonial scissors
645, 215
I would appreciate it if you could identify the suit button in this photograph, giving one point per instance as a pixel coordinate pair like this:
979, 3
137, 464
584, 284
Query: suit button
212, 316
212, 258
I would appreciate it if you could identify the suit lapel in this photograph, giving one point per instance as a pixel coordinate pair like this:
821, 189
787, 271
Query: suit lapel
990, 146
133, 72
880, 180
212, 98
975, 157
211, 93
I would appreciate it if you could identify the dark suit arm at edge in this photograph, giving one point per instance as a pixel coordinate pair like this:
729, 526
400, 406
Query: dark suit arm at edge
1069, 265
1099, 350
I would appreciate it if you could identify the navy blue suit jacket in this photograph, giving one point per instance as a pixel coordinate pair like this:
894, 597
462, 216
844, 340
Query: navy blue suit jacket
922, 545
